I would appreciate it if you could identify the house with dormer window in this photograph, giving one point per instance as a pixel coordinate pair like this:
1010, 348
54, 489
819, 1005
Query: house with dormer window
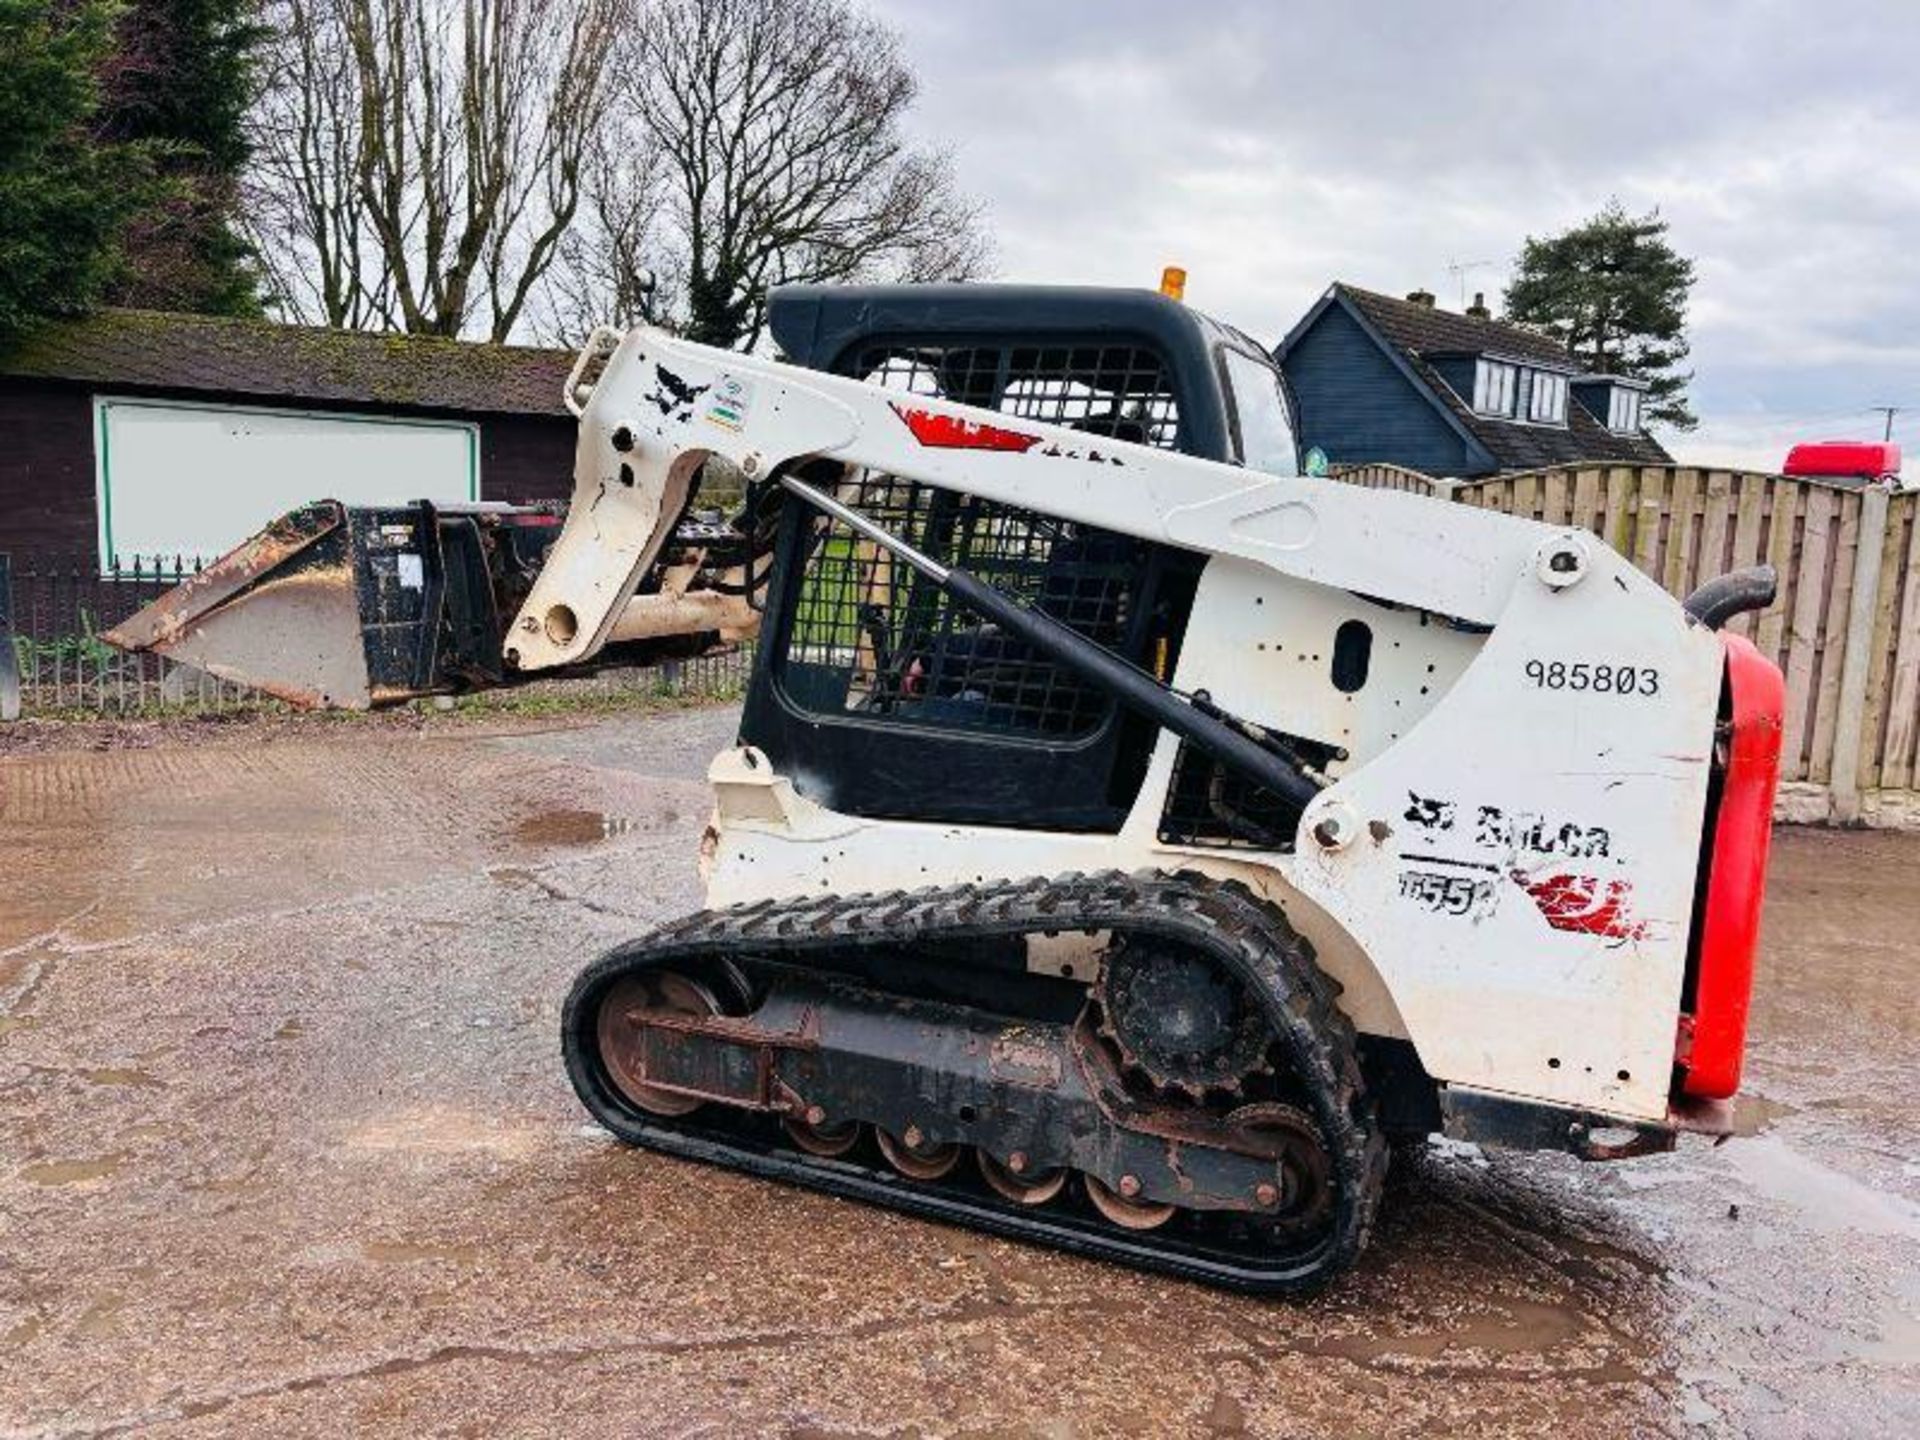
1380, 380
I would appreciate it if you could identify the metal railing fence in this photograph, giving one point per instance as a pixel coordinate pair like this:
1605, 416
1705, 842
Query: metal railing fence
62, 604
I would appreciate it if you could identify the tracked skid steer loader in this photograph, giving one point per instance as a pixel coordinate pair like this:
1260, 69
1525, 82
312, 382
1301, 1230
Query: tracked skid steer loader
1122, 847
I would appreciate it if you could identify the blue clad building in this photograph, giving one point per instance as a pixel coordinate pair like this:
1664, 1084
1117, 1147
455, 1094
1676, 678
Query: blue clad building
1379, 380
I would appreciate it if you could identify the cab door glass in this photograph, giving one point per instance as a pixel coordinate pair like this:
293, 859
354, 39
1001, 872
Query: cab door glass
1264, 429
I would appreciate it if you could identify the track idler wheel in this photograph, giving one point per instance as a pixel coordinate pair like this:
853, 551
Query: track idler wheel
622, 1046
1127, 1213
1290, 1136
916, 1157
1022, 1186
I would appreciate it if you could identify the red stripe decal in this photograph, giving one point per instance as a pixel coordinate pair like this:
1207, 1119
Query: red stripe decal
1587, 905
949, 432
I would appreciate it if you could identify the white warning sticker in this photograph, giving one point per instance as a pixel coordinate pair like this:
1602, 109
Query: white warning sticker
732, 402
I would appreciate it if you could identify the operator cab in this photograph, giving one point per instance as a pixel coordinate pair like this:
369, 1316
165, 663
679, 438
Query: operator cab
882, 697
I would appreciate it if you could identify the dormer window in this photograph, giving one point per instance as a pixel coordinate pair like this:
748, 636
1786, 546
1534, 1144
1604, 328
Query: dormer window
1496, 388
1623, 411
1547, 403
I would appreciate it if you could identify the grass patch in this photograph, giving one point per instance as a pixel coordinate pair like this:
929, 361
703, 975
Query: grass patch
606, 702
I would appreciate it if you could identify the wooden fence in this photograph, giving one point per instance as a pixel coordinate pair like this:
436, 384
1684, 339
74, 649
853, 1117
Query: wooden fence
1393, 477
1845, 630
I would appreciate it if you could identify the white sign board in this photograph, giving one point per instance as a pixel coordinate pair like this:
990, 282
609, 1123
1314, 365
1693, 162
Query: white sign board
193, 481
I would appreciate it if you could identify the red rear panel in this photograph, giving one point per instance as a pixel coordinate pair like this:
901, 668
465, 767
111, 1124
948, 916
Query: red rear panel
1730, 923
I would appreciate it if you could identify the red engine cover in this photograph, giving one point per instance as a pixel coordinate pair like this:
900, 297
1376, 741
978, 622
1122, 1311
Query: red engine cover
1737, 878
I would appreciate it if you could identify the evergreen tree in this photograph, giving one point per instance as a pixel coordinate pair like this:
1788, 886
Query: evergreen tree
180, 79
65, 197
1614, 292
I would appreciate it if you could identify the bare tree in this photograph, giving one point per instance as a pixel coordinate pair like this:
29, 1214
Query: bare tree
303, 211
775, 150
420, 161
604, 268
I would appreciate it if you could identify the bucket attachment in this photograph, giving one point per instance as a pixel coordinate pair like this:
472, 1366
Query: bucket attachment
347, 607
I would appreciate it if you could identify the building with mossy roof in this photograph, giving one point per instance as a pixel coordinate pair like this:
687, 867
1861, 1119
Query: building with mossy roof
135, 435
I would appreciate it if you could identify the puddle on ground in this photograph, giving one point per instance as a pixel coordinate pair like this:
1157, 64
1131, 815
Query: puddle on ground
1895, 1341
443, 1131
1756, 1114
71, 1172
109, 1075
570, 827
1824, 1199
402, 1252
1227, 1416
1526, 1328
100, 1318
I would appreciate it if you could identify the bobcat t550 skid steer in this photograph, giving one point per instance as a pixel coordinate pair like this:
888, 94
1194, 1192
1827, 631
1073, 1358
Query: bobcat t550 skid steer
1122, 847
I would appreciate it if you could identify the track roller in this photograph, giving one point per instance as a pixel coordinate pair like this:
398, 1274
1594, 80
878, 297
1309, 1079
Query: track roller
1019, 1186
817, 1137
916, 1157
1127, 1214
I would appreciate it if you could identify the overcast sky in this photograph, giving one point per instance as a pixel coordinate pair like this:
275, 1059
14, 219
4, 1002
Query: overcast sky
1274, 148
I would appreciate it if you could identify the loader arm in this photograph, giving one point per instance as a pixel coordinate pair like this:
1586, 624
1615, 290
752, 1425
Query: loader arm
661, 406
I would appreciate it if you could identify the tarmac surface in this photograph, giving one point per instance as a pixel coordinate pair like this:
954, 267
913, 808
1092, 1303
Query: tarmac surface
285, 1147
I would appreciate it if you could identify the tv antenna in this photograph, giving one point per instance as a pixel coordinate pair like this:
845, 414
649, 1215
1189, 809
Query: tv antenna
1460, 269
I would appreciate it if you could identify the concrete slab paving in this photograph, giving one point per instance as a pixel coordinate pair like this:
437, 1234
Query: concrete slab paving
285, 1147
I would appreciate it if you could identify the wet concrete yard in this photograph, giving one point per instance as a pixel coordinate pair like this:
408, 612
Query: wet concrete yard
285, 1148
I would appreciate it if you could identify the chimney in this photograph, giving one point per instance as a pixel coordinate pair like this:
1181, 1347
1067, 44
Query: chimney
1478, 309
1420, 297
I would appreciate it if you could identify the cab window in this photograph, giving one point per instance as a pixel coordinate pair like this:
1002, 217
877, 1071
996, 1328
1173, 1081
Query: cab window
1263, 430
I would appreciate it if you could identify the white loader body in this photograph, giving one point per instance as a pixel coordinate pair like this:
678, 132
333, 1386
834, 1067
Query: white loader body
1504, 868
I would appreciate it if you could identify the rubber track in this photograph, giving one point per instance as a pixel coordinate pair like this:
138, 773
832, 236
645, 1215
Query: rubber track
1223, 918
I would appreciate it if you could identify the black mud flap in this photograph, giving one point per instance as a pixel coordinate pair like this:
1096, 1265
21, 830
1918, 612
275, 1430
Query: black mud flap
1509, 1123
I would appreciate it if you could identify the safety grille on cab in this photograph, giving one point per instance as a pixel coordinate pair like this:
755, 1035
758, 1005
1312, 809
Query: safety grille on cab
1123, 392
870, 635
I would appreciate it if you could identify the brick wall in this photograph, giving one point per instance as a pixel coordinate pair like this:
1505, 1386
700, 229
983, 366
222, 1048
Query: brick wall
46, 468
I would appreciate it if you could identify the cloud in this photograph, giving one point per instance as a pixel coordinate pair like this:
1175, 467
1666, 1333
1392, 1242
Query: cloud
1273, 149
